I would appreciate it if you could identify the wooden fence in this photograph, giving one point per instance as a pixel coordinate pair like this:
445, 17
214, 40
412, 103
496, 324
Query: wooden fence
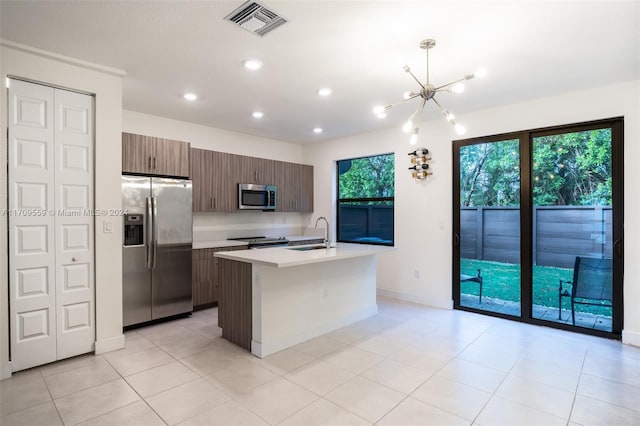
366, 223
560, 233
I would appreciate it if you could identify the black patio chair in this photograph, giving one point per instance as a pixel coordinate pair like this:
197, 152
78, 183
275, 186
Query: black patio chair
592, 284
475, 279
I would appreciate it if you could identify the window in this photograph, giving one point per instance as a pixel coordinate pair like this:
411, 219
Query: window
365, 200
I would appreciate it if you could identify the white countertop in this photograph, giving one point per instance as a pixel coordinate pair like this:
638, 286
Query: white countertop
284, 257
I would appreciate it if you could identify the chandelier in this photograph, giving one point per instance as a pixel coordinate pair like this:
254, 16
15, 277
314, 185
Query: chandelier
426, 92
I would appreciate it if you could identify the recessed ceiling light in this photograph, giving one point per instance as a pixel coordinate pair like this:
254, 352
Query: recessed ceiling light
252, 64
325, 91
258, 114
190, 96
317, 130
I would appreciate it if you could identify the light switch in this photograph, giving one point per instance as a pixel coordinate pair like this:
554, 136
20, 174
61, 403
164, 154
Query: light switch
107, 227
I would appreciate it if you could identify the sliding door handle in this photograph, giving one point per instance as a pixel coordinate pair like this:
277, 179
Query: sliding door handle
617, 247
456, 240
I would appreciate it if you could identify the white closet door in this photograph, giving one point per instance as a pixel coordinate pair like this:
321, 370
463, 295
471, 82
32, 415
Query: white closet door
74, 223
51, 224
31, 225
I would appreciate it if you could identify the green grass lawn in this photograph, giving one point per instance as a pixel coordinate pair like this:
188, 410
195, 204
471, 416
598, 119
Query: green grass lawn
502, 281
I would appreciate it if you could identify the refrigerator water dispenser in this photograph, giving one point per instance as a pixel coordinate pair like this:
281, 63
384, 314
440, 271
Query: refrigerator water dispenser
133, 229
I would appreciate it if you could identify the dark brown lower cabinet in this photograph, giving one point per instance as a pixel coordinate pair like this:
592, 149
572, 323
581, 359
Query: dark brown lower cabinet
205, 273
234, 308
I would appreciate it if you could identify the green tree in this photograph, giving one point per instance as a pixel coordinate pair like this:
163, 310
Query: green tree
572, 168
568, 169
490, 174
367, 177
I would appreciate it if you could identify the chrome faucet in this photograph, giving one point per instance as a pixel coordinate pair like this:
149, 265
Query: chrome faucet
327, 242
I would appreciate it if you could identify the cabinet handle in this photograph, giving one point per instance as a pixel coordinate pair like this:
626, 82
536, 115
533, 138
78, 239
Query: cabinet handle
154, 162
149, 161
214, 202
211, 202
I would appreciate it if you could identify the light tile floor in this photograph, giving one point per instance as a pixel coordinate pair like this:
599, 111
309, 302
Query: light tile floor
408, 365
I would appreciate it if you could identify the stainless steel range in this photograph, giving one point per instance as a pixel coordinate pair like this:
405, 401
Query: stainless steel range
263, 242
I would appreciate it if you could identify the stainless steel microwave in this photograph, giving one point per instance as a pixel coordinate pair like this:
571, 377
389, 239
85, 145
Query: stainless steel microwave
256, 197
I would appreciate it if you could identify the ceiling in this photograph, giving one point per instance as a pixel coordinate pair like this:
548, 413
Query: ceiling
531, 49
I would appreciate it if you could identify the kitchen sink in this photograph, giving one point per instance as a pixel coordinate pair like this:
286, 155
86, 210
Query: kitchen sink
306, 248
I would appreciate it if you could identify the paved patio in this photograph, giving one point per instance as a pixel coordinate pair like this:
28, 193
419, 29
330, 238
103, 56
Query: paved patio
596, 322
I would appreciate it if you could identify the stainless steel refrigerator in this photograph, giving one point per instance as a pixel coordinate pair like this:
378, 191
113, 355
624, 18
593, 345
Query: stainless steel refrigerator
156, 249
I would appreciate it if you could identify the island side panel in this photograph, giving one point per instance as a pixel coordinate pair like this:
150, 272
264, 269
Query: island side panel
292, 305
234, 306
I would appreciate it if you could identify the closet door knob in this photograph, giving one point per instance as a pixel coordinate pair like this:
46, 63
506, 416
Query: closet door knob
75, 259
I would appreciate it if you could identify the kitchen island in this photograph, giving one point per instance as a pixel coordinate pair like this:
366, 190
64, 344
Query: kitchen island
272, 299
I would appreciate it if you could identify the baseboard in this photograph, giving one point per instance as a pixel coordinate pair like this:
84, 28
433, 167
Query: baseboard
631, 338
410, 297
262, 350
5, 370
110, 344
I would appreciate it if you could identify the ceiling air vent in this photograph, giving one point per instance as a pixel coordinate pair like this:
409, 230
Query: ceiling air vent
254, 17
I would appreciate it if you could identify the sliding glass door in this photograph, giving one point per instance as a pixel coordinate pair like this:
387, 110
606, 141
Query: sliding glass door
489, 211
538, 226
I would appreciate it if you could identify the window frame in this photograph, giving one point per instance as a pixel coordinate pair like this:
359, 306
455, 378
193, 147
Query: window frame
339, 201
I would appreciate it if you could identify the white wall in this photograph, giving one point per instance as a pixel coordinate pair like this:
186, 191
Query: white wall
221, 225
106, 84
423, 211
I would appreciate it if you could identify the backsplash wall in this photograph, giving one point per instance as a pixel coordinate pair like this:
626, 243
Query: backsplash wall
220, 226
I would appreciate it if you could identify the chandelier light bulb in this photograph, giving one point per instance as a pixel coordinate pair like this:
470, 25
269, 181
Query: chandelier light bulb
378, 109
460, 129
407, 95
382, 115
408, 125
258, 114
480, 73
317, 130
190, 96
457, 88
449, 116
414, 136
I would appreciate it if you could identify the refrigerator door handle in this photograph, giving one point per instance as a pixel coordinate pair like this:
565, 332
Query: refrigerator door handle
155, 230
149, 234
